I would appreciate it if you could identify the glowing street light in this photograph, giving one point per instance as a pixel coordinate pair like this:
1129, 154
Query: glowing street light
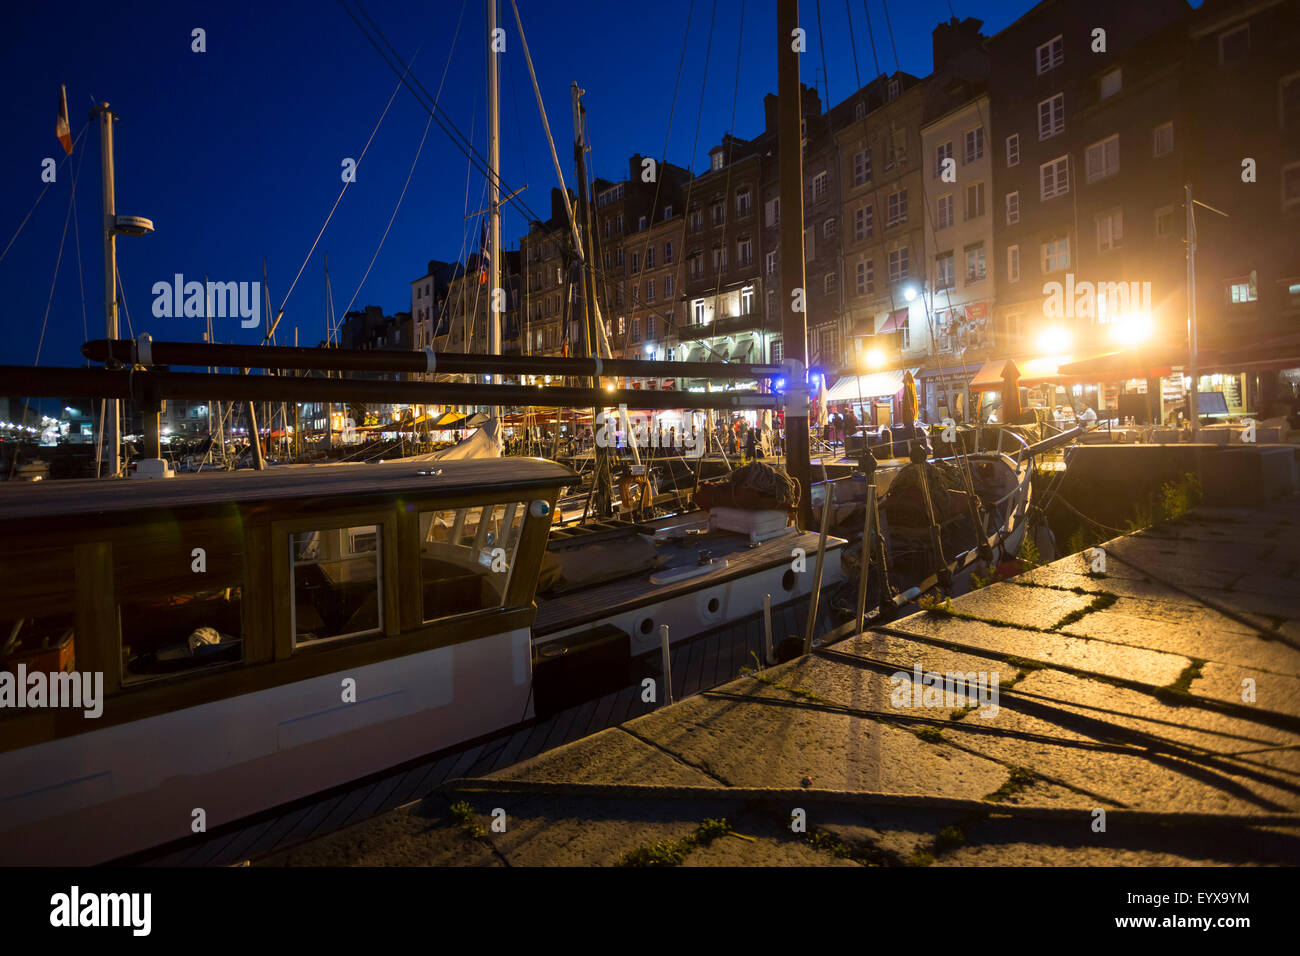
1130, 330
909, 293
1054, 341
875, 358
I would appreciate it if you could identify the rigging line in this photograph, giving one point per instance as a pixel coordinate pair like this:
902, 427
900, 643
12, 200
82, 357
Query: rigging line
58, 261
121, 292
445, 70
726, 183
410, 173
695, 142
76, 233
271, 331
444, 121
668, 321
46, 189
871, 36
821, 42
550, 141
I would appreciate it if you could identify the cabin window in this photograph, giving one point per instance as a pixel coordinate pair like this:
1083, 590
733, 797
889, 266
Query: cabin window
180, 600
467, 556
180, 633
336, 582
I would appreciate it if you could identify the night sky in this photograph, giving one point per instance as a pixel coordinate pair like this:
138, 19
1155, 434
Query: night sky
236, 153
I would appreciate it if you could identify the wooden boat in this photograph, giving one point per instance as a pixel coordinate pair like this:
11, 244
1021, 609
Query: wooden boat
262, 636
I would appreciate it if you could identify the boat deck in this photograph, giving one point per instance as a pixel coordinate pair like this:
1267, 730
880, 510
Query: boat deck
602, 600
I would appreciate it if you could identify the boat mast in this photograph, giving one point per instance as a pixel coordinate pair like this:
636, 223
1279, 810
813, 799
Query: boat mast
602, 476
794, 330
112, 413
494, 194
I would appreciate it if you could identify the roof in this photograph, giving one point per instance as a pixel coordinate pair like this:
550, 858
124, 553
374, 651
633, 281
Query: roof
351, 482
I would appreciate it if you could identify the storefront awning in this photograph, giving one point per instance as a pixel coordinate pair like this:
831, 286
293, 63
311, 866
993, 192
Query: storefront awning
877, 385
897, 319
992, 376
1130, 363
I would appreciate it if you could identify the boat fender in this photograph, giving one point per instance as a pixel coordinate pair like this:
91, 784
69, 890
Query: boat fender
144, 349
600, 366
430, 360
539, 508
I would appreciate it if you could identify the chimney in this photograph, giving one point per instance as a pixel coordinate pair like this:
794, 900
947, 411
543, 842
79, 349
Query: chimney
954, 38
810, 102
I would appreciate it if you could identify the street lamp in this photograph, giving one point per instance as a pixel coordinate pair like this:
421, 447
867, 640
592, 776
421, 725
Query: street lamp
1054, 341
875, 359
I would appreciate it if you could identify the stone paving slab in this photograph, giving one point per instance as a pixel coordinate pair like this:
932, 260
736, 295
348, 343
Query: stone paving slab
1111, 660
1134, 708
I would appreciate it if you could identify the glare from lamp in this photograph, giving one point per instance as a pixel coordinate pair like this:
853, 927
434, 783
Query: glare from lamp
1054, 341
909, 293
875, 358
1132, 329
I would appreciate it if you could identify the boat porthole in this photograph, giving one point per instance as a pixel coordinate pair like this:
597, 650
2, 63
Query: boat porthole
787, 580
647, 625
714, 604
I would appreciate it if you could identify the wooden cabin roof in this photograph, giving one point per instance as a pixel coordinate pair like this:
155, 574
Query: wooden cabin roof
41, 499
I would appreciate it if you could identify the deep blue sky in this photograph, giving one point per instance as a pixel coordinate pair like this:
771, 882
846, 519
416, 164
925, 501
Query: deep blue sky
235, 153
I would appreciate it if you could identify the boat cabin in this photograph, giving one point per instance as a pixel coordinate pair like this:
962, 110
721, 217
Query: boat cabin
249, 637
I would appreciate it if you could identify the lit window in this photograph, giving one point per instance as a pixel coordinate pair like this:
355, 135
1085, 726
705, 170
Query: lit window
1013, 208
1240, 292
1013, 150
975, 264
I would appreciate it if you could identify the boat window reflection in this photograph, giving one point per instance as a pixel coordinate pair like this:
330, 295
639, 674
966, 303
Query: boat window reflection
467, 556
336, 583
180, 633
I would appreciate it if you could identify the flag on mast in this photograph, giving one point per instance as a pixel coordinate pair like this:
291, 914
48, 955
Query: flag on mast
61, 128
482, 254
